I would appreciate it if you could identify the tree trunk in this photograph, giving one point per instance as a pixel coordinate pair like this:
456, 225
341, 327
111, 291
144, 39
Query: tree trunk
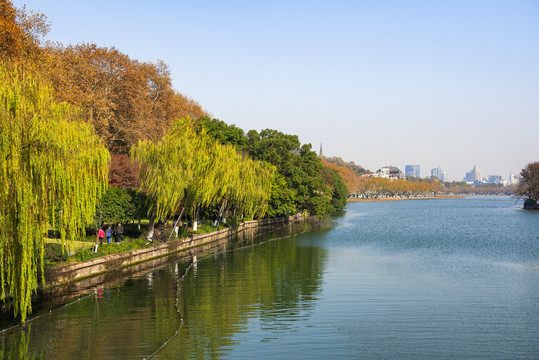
221, 210
175, 226
151, 225
195, 219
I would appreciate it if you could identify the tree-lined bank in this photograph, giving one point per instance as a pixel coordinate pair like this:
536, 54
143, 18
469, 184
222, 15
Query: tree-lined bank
67, 110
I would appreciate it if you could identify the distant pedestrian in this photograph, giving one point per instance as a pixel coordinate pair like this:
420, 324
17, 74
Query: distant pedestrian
108, 234
99, 238
100, 235
119, 232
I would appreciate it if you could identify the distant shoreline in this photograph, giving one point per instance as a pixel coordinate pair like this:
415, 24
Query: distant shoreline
411, 198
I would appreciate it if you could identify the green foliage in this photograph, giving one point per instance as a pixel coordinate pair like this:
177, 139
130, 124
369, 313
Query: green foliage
189, 169
166, 167
221, 131
115, 206
334, 181
298, 165
108, 249
299, 184
140, 202
282, 198
233, 221
86, 254
120, 205
54, 253
274, 147
204, 228
48, 160
319, 205
183, 233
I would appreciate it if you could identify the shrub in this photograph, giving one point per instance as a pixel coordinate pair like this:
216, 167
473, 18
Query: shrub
530, 203
54, 253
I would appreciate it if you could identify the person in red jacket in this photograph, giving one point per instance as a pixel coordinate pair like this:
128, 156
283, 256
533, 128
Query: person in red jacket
100, 237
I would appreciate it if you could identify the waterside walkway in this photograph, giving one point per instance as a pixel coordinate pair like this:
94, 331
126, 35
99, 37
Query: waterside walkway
114, 262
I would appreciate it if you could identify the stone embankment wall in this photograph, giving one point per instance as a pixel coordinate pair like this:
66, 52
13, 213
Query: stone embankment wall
75, 272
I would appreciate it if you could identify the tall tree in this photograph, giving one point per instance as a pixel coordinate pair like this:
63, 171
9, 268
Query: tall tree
339, 191
53, 168
282, 197
166, 169
11, 34
116, 205
189, 170
300, 167
21, 32
126, 100
222, 132
123, 172
346, 173
529, 181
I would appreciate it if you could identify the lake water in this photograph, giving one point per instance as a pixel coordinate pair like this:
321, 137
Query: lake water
420, 279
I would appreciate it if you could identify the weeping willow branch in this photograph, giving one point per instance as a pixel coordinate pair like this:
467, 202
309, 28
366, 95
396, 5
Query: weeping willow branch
194, 168
53, 168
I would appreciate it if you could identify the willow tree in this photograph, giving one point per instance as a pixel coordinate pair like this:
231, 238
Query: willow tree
206, 186
186, 169
166, 169
250, 190
53, 168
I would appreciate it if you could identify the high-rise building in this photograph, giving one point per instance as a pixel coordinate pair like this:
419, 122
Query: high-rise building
495, 179
513, 179
475, 175
412, 171
439, 173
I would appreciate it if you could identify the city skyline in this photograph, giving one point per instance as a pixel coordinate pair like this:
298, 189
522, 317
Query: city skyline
378, 83
429, 172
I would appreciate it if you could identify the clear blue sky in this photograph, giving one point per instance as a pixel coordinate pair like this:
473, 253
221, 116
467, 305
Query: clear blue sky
449, 83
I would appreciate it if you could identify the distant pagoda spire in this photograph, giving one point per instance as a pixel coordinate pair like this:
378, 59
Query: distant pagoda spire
321, 152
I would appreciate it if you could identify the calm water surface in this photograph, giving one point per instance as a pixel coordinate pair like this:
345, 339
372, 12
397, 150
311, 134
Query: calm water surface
387, 280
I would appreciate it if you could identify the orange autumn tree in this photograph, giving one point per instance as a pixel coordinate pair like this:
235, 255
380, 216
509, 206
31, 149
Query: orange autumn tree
21, 33
126, 100
11, 35
348, 176
380, 187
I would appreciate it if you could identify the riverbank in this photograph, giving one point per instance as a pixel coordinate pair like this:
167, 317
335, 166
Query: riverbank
410, 198
87, 269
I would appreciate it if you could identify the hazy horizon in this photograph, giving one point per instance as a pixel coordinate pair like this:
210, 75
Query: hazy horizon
450, 84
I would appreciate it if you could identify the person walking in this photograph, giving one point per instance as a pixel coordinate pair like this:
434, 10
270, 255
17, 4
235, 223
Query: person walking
108, 234
99, 239
119, 231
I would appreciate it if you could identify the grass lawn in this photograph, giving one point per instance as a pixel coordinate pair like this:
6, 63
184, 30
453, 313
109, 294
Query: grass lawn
74, 246
85, 250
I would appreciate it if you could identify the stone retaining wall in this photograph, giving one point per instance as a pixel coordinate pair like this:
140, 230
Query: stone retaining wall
75, 272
